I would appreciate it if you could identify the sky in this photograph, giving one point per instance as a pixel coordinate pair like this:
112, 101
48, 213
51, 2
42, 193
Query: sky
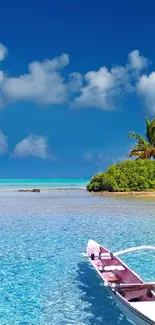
75, 78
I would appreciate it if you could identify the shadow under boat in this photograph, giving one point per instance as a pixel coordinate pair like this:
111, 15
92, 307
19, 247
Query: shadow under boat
101, 308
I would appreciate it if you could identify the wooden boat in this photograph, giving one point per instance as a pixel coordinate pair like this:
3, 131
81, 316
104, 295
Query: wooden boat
135, 298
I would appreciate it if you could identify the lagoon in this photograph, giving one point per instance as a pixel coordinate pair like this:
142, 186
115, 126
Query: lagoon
43, 183
43, 277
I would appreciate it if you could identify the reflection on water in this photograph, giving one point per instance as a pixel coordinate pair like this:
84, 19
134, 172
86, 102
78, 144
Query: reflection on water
100, 306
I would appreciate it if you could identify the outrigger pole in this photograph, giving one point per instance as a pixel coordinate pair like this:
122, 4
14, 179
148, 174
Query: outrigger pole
128, 250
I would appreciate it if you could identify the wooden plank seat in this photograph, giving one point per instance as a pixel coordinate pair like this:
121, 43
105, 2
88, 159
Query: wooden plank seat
102, 256
109, 268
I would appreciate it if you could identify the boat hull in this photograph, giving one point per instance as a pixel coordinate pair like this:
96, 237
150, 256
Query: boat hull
133, 315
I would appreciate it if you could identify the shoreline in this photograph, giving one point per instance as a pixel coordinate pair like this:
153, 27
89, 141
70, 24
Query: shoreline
142, 194
35, 190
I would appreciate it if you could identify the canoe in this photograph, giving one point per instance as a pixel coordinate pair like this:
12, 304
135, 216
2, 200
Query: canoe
135, 298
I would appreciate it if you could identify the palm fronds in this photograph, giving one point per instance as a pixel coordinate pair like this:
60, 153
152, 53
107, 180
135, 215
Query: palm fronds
145, 148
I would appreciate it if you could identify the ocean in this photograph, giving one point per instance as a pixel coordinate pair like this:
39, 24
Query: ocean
44, 183
43, 277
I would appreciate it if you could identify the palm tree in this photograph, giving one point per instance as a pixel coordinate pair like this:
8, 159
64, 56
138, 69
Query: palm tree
145, 147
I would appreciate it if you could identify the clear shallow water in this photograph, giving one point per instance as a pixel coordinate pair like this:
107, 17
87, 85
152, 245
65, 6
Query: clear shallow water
43, 278
44, 183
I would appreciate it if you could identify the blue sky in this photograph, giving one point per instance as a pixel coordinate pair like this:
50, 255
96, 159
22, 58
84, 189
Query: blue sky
75, 78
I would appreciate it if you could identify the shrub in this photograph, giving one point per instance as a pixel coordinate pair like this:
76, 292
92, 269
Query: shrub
137, 175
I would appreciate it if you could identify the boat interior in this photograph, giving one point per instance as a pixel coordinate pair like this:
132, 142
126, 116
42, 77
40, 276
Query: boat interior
136, 293
124, 280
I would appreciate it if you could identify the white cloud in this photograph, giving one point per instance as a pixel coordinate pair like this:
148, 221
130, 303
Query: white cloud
3, 52
43, 84
146, 88
104, 87
36, 146
137, 61
98, 91
3, 144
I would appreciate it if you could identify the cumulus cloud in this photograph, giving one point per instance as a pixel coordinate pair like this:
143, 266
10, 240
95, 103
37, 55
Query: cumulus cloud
3, 52
104, 87
45, 83
3, 144
36, 146
98, 91
146, 89
137, 61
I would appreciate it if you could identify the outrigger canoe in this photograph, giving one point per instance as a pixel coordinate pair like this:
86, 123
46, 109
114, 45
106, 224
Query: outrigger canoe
135, 297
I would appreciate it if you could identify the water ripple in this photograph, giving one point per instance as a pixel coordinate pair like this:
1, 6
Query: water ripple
43, 278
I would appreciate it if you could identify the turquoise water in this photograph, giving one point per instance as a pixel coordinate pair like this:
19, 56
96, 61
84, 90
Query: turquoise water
44, 183
43, 278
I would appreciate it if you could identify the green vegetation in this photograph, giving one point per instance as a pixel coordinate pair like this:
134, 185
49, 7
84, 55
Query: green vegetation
145, 147
127, 176
137, 175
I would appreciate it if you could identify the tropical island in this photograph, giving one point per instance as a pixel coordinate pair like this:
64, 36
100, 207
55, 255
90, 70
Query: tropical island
131, 176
